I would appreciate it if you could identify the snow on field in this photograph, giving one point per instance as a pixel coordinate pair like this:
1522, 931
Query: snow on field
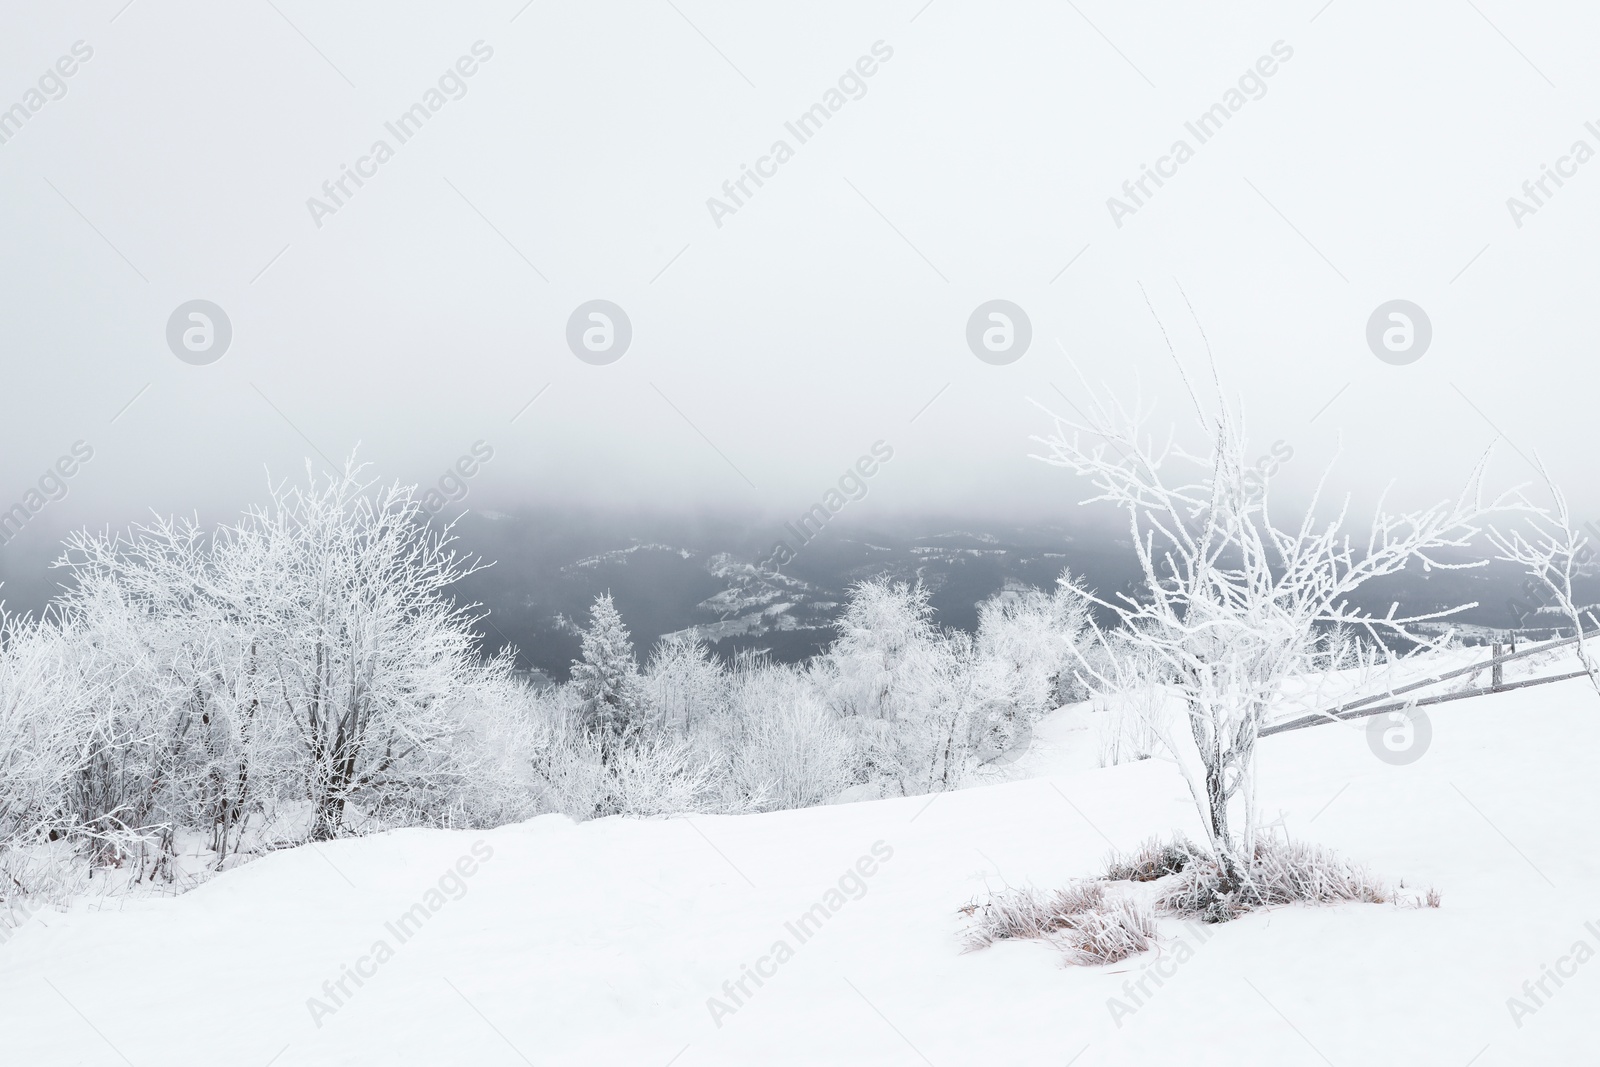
600, 943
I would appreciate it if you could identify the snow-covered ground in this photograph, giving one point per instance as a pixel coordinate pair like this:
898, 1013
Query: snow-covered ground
600, 943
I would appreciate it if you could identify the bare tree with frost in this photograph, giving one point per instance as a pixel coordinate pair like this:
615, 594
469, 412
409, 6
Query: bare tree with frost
359, 653
1232, 602
1555, 557
911, 687
684, 680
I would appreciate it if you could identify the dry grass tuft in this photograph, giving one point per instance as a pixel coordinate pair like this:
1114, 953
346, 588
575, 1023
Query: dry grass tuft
1119, 928
1028, 913
1150, 861
1087, 926
1283, 873
1092, 926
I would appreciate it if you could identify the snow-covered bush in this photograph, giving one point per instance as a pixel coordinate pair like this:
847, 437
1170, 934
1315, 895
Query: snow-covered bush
1136, 704
786, 748
154, 700
1030, 640
916, 689
659, 773
684, 682
1280, 872
491, 760
659, 776
39, 749
279, 678
569, 774
887, 655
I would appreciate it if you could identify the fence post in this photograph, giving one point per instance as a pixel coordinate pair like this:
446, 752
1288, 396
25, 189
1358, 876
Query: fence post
1497, 672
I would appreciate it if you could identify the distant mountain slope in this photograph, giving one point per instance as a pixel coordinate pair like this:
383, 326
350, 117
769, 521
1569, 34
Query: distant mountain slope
705, 578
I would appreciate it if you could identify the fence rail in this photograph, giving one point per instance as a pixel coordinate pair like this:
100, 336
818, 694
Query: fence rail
1364, 708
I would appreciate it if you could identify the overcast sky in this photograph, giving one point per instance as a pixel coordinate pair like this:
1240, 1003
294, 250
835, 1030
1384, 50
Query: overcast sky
774, 343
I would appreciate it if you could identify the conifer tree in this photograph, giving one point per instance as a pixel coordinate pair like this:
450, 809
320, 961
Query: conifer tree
607, 677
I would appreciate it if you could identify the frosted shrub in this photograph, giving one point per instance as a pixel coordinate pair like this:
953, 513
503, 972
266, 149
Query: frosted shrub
1137, 712
684, 682
292, 675
1029, 640
664, 777
887, 654
1281, 872
486, 775
38, 746
787, 747
359, 652
890, 664
569, 775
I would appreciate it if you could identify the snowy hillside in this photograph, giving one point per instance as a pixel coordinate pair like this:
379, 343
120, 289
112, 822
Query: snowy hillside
625, 942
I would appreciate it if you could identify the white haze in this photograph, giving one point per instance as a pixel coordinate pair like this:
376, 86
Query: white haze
805, 327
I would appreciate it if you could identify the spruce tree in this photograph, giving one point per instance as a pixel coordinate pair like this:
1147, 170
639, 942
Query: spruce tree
607, 677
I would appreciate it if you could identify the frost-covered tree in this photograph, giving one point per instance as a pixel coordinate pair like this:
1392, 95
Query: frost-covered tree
44, 694
309, 652
614, 700
171, 741
914, 688
344, 588
1232, 601
1030, 640
685, 682
782, 744
1558, 559
886, 650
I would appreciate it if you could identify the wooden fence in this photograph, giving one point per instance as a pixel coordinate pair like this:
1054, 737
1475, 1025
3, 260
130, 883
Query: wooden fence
1368, 706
